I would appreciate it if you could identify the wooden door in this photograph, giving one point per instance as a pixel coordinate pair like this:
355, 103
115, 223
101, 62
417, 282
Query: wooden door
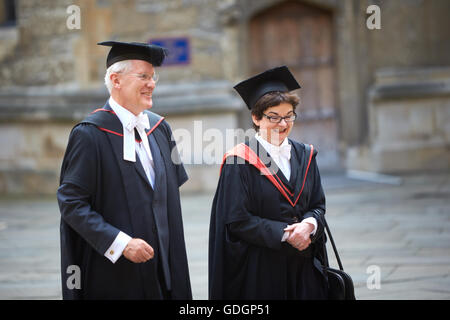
301, 37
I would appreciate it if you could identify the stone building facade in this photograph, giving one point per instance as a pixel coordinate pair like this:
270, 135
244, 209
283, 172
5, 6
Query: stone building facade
375, 100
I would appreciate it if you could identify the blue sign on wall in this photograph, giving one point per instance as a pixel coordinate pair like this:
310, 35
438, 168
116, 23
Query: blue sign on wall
179, 50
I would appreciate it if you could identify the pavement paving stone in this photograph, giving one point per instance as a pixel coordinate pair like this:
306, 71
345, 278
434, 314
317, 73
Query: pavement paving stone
401, 229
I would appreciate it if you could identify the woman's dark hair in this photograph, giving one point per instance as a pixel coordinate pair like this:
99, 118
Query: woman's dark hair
273, 99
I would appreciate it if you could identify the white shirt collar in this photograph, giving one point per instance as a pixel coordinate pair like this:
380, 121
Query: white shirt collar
123, 114
129, 145
281, 157
267, 145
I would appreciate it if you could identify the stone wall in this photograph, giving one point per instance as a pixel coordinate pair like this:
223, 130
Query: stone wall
401, 85
409, 122
391, 83
42, 54
52, 76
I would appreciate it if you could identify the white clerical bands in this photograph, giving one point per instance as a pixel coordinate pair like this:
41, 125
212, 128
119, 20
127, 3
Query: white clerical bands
141, 123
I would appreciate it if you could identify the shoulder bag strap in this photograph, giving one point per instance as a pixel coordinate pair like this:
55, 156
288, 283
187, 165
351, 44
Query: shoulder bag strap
333, 245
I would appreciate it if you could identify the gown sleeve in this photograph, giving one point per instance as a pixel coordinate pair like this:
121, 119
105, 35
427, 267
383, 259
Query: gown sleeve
175, 156
317, 201
76, 191
234, 200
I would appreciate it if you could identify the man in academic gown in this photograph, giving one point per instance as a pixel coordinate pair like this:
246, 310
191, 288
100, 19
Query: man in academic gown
121, 226
252, 208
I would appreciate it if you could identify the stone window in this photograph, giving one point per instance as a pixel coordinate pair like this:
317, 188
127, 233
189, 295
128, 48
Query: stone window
7, 13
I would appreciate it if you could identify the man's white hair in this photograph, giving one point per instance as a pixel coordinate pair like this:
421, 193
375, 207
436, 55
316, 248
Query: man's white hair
118, 67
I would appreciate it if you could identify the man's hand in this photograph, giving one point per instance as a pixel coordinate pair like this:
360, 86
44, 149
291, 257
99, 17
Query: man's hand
299, 236
138, 251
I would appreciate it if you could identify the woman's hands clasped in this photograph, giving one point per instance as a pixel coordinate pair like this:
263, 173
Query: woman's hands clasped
299, 235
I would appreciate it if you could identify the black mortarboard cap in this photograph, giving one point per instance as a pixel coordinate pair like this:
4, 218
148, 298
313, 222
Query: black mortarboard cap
134, 51
277, 79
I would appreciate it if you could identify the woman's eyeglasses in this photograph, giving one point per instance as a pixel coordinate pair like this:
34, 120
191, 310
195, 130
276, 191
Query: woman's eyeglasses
277, 119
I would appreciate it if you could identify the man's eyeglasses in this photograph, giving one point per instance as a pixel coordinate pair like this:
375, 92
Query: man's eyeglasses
277, 119
147, 77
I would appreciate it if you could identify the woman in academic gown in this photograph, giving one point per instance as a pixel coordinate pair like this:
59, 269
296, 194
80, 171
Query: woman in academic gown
266, 235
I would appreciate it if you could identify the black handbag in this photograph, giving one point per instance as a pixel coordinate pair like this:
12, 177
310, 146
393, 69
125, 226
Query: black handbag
340, 284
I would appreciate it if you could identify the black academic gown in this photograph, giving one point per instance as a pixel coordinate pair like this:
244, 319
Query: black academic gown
247, 259
101, 194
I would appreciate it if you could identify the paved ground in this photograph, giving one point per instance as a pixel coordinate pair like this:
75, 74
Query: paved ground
398, 234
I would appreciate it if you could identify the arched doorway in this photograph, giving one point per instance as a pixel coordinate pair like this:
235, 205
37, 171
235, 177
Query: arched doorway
301, 37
